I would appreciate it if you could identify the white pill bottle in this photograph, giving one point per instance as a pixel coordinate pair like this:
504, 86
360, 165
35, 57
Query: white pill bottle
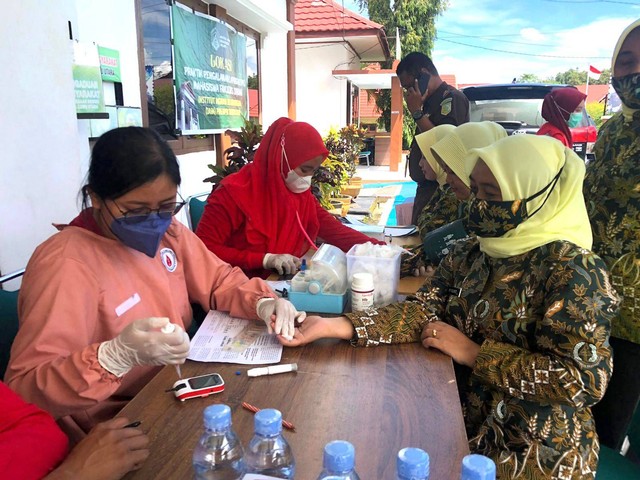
361, 291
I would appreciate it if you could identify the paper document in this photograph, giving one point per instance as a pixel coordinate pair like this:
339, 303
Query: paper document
399, 231
222, 338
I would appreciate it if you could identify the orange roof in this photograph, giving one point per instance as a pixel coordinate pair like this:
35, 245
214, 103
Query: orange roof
254, 103
368, 107
323, 16
596, 92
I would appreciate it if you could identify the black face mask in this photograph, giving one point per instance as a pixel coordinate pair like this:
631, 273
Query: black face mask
494, 218
628, 89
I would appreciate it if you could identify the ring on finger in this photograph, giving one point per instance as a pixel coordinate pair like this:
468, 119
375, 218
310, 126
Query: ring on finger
434, 333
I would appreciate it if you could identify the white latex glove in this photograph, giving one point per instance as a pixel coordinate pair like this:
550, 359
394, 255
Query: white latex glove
283, 263
285, 315
143, 342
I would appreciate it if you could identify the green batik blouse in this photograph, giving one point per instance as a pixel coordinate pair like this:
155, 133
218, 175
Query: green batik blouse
612, 195
542, 320
442, 208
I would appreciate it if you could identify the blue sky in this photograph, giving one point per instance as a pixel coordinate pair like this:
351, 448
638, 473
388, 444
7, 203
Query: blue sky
493, 41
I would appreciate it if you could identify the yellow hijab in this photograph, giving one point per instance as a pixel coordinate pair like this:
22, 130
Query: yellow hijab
523, 165
627, 112
428, 138
454, 148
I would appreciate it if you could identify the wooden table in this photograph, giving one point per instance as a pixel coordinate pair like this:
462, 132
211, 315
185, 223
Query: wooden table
380, 399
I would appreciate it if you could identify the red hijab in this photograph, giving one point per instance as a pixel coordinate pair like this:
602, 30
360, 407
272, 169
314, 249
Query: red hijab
262, 195
558, 105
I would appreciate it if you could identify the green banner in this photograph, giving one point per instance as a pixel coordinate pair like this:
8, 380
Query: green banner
210, 73
109, 64
87, 80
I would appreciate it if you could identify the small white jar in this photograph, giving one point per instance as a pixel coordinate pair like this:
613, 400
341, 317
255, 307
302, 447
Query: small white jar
361, 291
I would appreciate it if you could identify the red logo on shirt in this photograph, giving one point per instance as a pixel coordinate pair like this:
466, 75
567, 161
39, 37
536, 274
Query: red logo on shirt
169, 259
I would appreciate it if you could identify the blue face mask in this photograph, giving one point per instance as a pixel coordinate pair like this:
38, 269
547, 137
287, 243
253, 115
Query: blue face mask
574, 119
144, 234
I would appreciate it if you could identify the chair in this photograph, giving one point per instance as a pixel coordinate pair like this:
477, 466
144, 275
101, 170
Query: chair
195, 209
8, 320
364, 154
615, 466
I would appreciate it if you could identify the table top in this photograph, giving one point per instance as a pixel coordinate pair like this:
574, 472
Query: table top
381, 399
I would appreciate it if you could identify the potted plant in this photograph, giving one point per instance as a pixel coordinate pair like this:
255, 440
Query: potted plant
333, 176
245, 143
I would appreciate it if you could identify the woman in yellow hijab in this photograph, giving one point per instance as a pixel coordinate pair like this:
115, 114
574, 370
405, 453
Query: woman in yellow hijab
611, 188
524, 310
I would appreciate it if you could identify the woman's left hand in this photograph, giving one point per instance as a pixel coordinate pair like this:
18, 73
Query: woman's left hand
451, 341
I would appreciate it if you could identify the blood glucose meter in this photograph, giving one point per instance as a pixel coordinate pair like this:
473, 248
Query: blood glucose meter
201, 386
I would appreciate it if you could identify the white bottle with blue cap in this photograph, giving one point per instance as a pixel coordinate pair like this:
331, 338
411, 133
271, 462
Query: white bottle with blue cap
218, 454
339, 461
478, 467
412, 464
268, 452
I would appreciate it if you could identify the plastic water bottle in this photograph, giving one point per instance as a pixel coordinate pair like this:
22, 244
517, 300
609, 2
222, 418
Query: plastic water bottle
218, 454
268, 452
412, 464
478, 467
339, 461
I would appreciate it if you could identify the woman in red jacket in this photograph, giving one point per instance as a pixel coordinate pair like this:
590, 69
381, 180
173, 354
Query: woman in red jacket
562, 109
265, 217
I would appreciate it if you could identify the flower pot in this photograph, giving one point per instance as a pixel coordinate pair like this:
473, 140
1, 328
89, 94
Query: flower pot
353, 187
344, 201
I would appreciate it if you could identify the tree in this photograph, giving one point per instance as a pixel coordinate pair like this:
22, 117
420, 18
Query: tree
416, 21
528, 78
579, 77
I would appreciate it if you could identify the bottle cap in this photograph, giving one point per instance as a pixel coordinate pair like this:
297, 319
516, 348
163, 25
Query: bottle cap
217, 417
339, 456
478, 467
413, 463
268, 422
362, 281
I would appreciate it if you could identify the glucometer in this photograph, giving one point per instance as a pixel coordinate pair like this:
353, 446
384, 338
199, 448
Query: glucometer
201, 386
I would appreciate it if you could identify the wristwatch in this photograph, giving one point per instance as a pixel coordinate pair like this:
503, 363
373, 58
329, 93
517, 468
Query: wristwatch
418, 114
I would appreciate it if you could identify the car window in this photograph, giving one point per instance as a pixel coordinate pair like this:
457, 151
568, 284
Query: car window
526, 111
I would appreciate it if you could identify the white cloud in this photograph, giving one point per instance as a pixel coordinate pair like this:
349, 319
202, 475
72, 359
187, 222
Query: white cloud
532, 35
488, 61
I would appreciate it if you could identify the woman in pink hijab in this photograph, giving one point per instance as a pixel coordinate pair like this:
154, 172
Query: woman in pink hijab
562, 109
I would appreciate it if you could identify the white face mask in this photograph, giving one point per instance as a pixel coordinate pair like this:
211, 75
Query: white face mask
296, 183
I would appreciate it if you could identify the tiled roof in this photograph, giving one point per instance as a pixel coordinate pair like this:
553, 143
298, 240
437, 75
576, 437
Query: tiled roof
315, 16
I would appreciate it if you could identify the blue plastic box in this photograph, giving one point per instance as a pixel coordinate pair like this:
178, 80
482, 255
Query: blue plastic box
319, 302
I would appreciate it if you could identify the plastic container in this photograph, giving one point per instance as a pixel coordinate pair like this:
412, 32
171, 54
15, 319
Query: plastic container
362, 292
268, 452
412, 464
385, 271
339, 461
478, 467
322, 286
218, 454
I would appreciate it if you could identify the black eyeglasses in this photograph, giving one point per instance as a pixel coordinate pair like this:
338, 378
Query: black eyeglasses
166, 210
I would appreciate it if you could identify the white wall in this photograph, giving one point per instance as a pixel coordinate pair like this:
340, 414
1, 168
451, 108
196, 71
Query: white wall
321, 99
40, 170
274, 78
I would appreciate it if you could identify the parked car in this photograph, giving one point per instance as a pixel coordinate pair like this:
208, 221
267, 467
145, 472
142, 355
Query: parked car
518, 108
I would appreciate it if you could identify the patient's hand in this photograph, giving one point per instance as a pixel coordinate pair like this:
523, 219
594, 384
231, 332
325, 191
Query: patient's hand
315, 327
